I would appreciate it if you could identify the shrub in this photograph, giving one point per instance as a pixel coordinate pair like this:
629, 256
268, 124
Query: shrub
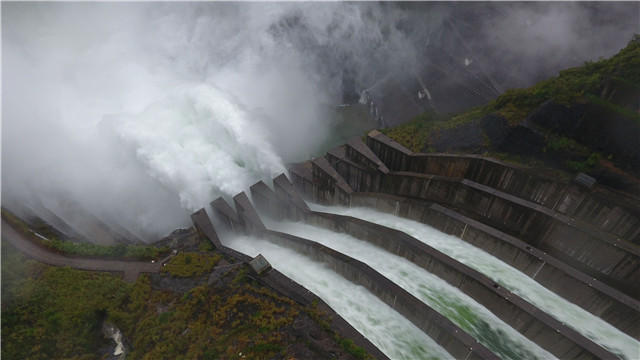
191, 264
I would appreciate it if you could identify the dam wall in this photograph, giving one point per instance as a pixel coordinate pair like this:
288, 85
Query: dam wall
248, 215
613, 306
205, 228
227, 215
562, 237
603, 208
580, 244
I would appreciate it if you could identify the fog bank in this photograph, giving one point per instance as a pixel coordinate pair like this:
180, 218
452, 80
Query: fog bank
119, 119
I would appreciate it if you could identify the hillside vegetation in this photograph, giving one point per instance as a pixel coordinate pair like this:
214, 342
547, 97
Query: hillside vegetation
583, 116
57, 313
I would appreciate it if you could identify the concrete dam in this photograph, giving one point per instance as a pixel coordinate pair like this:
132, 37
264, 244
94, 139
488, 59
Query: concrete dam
433, 256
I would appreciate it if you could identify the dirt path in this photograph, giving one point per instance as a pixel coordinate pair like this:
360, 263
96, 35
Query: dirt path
131, 269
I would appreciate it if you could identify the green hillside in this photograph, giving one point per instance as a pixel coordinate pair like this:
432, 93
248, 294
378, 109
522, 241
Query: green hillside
598, 95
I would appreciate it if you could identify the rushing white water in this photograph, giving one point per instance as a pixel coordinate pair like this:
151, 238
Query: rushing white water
492, 332
582, 321
393, 334
200, 143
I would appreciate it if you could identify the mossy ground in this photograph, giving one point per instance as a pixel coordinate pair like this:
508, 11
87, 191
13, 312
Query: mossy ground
57, 312
191, 264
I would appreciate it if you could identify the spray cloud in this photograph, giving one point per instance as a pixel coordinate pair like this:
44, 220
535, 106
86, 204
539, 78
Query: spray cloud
133, 115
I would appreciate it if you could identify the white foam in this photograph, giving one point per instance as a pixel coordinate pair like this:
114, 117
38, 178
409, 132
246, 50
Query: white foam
582, 321
200, 144
446, 299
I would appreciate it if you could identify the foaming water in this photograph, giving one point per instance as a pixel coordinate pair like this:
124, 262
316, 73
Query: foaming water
488, 329
393, 334
507, 276
201, 144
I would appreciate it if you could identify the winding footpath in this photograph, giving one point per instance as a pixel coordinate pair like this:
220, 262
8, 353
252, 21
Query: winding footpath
131, 269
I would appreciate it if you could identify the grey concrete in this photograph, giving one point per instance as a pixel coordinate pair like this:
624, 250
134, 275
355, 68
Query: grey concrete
571, 240
360, 153
264, 198
202, 223
302, 178
226, 214
359, 177
593, 295
248, 215
286, 193
567, 239
259, 264
609, 211
332, 188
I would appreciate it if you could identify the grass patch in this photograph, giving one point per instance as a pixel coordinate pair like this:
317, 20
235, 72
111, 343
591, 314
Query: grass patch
414, 135
141, 252
575, 85
190, 264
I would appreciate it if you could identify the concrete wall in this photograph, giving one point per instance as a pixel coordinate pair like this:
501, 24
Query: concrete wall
286, 194
611, 305
328, 186
302, 178
533, 323
203, 225
248, 215
581, 244
357, 176
227, 215
600, 207
562, 237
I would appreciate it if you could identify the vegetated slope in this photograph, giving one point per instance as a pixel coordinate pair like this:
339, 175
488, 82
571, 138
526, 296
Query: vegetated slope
185, 312
586, 119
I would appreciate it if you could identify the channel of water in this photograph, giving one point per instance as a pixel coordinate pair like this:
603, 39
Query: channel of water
507, 276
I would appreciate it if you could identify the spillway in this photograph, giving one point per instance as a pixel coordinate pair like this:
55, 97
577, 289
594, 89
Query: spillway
435, 292
393, 334
582, 321
466, 300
